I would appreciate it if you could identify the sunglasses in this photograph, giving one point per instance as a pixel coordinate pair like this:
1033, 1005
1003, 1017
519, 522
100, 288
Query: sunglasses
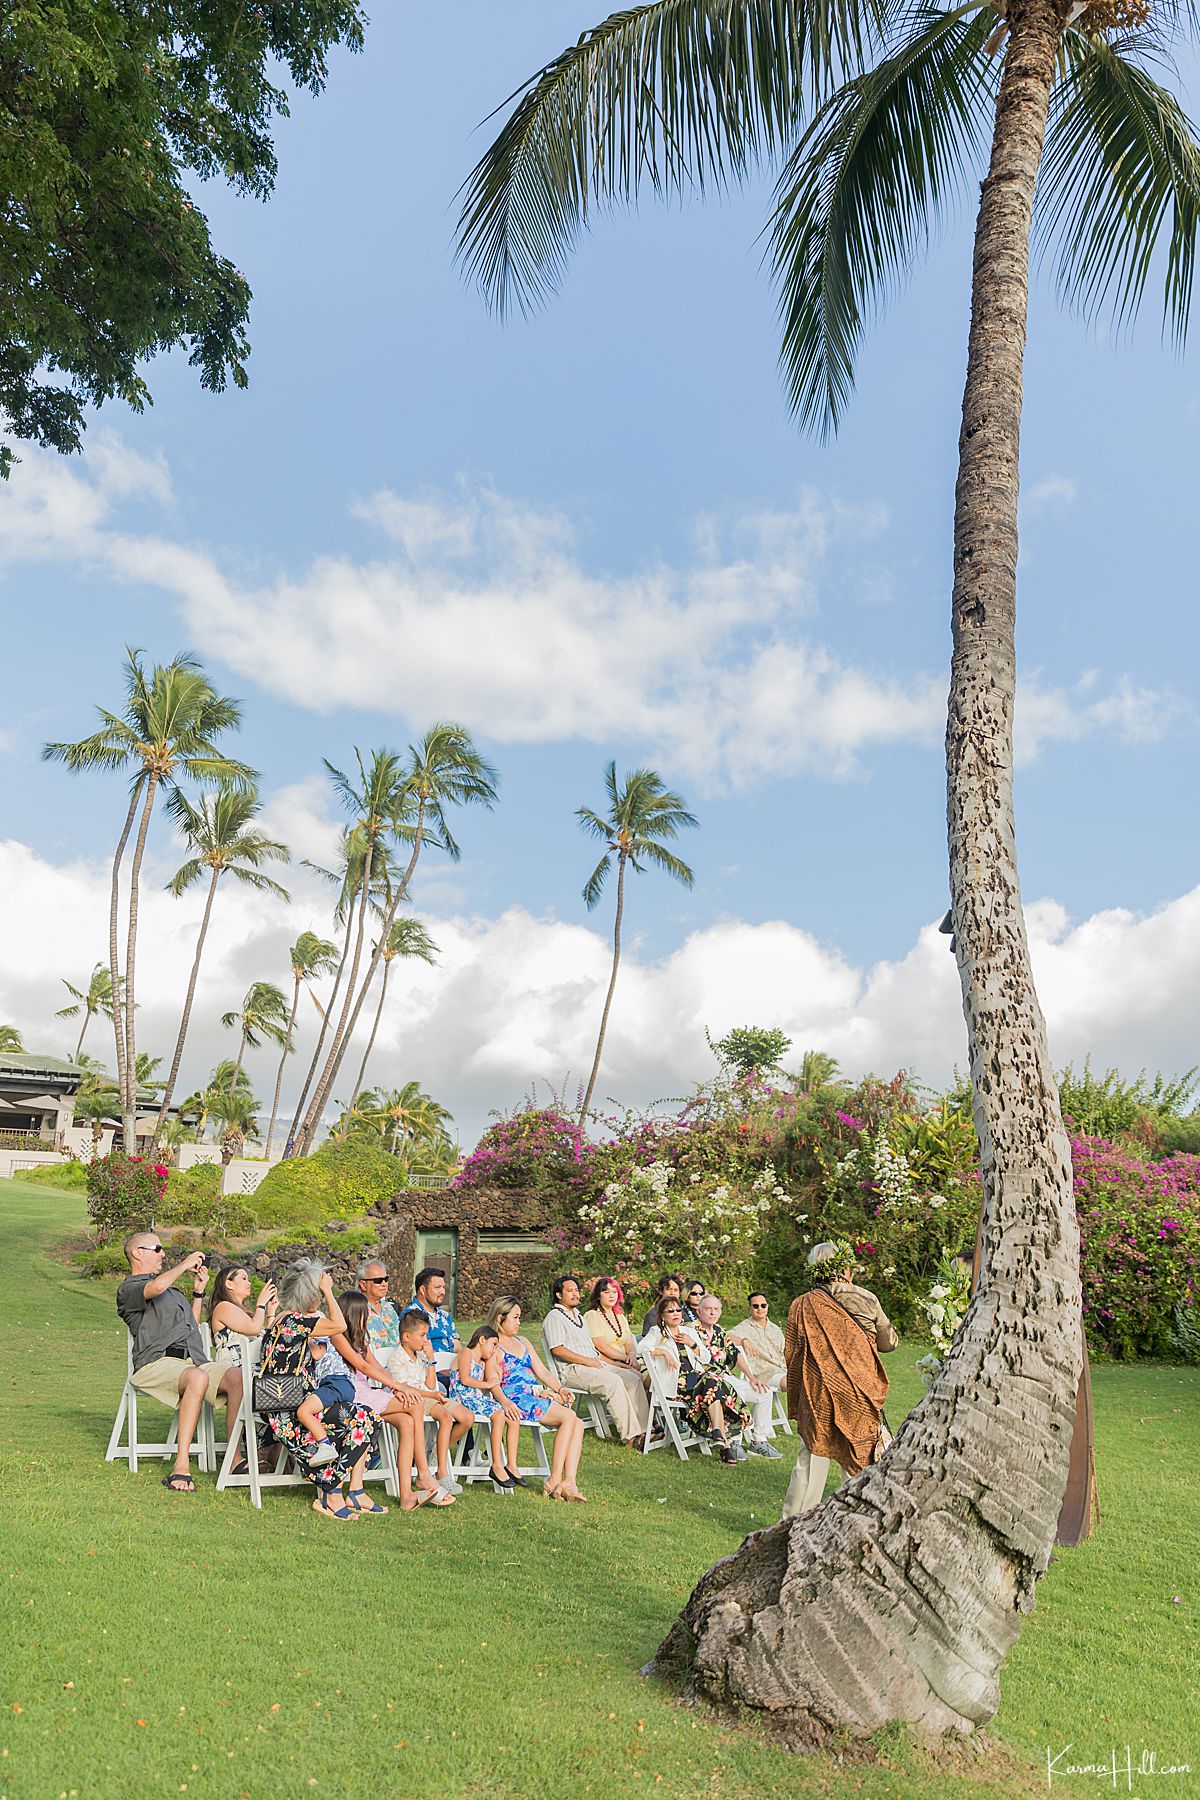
376, 1280
758, 1306
153, 1249
696, 1293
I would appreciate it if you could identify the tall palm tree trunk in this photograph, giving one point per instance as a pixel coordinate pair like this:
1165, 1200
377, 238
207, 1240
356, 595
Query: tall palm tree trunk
316, 1105
608, 998
362, 1067
237, 1067
186, 1015
87, 1019
114, 955
900, 1597
339, 1048
283, 1056
129, 1091
295, 1141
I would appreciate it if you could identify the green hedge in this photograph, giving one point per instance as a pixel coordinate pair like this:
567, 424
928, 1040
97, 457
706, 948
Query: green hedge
341, 1181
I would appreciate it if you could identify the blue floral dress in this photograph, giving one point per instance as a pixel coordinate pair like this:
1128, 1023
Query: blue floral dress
519, 1382
474, 1399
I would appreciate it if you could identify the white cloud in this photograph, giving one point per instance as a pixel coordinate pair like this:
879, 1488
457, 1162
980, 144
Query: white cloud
517, 998
1053, 494
482, 608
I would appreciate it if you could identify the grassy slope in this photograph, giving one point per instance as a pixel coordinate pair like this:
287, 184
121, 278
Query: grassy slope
192, 1645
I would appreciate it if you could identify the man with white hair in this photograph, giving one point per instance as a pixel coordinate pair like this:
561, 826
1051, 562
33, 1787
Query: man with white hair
170, 1363
836, 1384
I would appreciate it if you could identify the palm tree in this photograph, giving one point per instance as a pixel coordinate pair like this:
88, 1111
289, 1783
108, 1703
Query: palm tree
407, 938
144, 1073
166, 732
310, 957
642, 817
223, 841
199, 1106
817, 1070
173, 1134
407, 1116
97, 997
263, 1018
443, 771
95, 1100
236, 1113
909, 104
10, 1038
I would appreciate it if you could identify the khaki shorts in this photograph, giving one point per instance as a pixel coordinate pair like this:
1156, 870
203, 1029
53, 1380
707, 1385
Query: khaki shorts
159, 1380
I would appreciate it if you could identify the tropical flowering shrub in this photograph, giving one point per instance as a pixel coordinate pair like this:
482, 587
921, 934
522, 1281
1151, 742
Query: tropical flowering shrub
1140, 1228
537, 1149
656, 1219
944, 1308
123, 1193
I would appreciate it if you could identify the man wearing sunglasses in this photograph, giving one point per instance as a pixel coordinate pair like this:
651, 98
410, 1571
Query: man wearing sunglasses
761, 1341
169, 1360
383, 1321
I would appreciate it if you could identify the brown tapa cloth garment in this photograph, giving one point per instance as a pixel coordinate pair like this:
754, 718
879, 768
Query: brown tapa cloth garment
836, 1384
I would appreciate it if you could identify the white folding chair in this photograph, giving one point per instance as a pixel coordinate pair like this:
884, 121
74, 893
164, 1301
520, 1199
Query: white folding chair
668, 1410
779, 1412
476, 1465
125, 1445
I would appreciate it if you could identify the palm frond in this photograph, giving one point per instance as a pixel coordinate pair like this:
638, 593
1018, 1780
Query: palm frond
184, 876
670, 865
671, 95
1121, 159
594, 885
863, 191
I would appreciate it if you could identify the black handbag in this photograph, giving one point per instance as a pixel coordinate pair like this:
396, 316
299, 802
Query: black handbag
278, 1393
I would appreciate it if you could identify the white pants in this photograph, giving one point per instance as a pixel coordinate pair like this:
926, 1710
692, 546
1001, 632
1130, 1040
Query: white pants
807, 1486
762, 1406
621, 1391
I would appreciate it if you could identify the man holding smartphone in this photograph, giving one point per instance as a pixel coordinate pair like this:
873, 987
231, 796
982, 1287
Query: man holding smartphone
169, 1361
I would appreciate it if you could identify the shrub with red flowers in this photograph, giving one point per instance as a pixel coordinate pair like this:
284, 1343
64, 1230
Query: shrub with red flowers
1140, 1228
123, 1193
537, 1150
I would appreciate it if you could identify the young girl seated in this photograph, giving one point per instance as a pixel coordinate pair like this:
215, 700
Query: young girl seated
476, 1385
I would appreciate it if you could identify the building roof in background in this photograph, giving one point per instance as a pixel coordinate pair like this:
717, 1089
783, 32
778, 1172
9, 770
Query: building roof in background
29, 1063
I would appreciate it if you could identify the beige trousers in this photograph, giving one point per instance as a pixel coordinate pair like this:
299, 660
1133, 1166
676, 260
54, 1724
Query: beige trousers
621, 1391
807, 1486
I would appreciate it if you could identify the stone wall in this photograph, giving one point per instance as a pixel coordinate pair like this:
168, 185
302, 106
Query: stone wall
483, 1275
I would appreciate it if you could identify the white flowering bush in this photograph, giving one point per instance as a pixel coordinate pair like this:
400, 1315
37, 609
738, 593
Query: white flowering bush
655, 1219
943, 1309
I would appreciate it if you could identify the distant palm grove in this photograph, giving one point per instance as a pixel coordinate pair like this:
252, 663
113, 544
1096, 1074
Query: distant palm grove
170, 736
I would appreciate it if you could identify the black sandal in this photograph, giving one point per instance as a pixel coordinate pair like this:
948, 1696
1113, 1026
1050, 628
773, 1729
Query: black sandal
179, 1483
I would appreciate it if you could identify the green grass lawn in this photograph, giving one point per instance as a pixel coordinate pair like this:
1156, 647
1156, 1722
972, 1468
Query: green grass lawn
191, 1645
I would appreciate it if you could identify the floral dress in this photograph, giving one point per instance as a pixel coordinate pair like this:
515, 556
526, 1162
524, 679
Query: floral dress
484, 1406
519, 1383
699, 1386
227, 1345
289, 1350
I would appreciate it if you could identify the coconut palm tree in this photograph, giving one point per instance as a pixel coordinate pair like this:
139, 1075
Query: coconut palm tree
222, 840
97, 997
198, 1106
817, 1070
879, 115
643, 816
96, 1099
407, 938
262, 1019
165, 733
443, 771
406, 1116
10, 1038
310, 957
235, 1113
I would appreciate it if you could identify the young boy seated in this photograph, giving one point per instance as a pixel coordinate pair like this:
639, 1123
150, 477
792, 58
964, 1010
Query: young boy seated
413, 1364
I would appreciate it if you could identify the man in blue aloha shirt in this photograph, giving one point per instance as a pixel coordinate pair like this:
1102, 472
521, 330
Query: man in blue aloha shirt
443, 1334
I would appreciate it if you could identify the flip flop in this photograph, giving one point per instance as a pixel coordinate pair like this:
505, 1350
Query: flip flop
441, 1498
179, 1483
357, 1494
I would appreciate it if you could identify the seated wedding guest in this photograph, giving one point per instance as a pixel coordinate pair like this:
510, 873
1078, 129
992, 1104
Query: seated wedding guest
383, 1321
608, 1325
728, 1354
540, 1400
762, 1341
413, 1364
170, 1363
696, 1291
477, 1384
710, 1405
569, 1341
836, 1384
669, 1288
230, 1315
308, 1310
429, 1298
401, 1405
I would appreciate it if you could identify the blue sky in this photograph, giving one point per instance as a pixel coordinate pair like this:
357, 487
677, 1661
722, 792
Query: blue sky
763, 618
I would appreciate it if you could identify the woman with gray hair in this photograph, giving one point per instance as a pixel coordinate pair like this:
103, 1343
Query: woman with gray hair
308, 1312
